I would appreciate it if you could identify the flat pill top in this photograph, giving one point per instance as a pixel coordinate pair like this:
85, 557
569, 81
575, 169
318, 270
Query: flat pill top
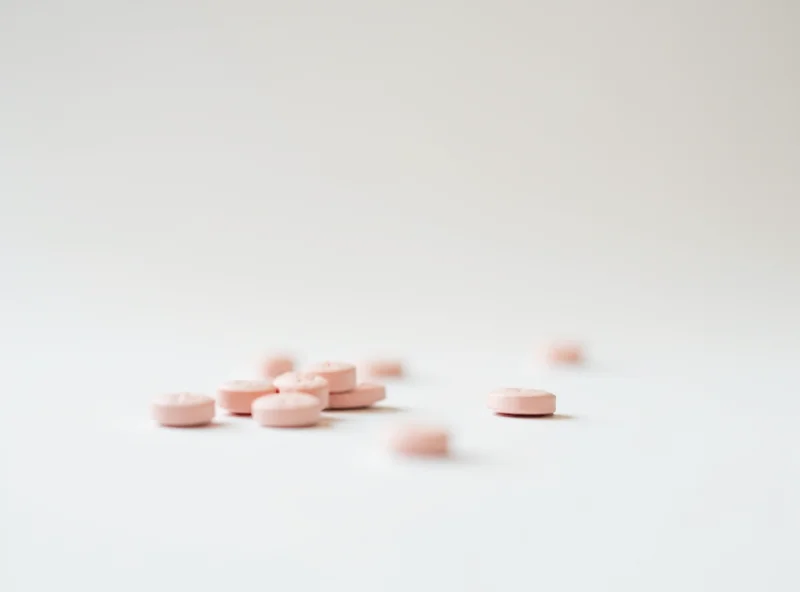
182, 400
249, 386
520, 393
300, 380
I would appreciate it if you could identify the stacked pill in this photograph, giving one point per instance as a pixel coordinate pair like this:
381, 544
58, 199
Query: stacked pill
344, 391
304, 382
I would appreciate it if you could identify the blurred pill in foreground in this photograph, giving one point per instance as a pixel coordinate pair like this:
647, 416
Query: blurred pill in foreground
419, 440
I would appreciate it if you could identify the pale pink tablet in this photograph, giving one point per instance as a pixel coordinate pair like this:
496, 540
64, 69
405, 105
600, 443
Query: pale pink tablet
237, 396
419, 440
304, 382
276, 365
183, 410
565, 352
383, 368
521, 401
287, 410
364, 395
341, 376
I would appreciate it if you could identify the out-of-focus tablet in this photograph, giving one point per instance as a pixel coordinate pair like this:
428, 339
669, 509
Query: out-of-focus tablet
304, 382
275, 365
564, 352
341, 376
237, 396
183, 410
287, 410
364, 395
522, 401
383, 368
419, 440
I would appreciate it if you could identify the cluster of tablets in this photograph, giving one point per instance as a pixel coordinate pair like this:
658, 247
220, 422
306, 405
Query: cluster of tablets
285, 398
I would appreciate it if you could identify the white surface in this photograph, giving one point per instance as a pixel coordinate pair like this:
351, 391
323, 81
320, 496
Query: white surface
183, 183
483, 171
662, 474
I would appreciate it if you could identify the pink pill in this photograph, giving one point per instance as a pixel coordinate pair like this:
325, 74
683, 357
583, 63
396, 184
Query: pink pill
383, 368
419, 440
275, 365
520, 401
287, 410
304, 382
565, 352
237, 396
341, 376
183, 410
364, 395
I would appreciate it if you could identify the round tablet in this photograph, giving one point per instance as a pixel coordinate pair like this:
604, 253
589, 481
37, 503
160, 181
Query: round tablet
287, 410
564, 353
341, 376
237, 396
183, 409
304, 382
419, 440
520, 401
276, 365
383, 368
364, 395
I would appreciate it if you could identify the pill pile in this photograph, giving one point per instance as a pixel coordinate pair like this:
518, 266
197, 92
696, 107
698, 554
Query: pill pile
285, 398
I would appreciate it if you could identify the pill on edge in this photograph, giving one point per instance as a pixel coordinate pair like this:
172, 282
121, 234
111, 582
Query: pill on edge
341, 376
304, 382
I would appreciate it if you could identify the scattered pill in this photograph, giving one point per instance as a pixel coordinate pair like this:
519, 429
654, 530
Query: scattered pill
522, 401
183, 410
341, 376
383, 368
364, 395
304, 382
276, 365
419, 440
564, 353
287, 410
237, 396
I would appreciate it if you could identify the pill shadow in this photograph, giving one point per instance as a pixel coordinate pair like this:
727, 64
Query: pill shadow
377, 410
468, 458
554, 417
214, 425
327, 422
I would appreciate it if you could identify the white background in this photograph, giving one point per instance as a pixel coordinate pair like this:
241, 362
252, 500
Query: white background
184, 185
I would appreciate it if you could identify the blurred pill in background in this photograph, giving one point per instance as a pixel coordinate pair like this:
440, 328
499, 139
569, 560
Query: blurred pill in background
382, 368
